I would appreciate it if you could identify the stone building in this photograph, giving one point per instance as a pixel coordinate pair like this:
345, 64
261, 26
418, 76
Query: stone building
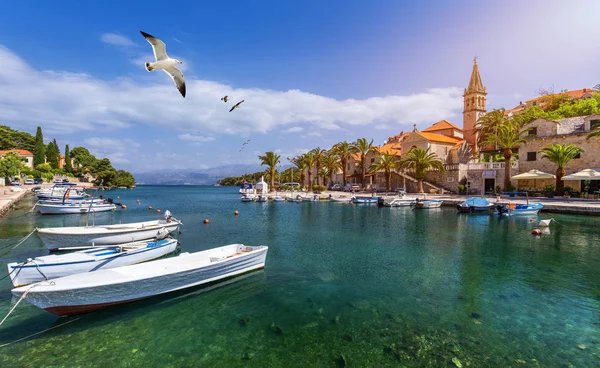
544, 132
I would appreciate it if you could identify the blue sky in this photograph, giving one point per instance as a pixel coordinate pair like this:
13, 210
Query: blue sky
312, 73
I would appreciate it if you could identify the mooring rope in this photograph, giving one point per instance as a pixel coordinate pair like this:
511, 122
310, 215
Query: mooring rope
16, 245
18, 301
41, 332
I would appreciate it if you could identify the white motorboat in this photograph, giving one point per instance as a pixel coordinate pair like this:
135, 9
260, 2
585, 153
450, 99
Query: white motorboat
401, 202
261, 198
313, 198
90, 291
247, 197
66, 237
514, 209
340, 199
98, 258
365, 200
278, 198
427, 204
73, 208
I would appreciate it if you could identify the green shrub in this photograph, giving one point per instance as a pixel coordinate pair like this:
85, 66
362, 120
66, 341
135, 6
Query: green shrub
549, 188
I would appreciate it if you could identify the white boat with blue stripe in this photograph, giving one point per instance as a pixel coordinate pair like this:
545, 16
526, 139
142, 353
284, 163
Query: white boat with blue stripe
98, 258
90, 291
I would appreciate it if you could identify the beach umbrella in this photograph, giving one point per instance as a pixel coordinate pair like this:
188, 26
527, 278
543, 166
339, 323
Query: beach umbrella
533, 174
587, 174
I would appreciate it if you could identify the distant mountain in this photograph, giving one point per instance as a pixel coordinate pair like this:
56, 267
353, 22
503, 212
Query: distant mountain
194, 177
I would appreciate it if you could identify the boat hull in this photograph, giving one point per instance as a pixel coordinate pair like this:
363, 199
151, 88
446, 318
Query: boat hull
59, 209
30, 273
53, 239
428, 204
95, 290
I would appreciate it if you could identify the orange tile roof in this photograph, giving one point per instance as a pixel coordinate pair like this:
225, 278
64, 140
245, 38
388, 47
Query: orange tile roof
457, 145
391, 148
433, 137
17, 151
442, 125
575, 94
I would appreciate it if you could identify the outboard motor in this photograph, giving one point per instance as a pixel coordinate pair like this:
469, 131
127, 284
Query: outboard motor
501, 208
380, 201
109, 200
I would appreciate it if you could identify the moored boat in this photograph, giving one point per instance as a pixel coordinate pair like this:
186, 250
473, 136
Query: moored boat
278, 198
247, 197
61, 208
475, 205
90, 291
514, 209
97, 258
427, 204
401, 202
341, 199
365, 200
65, 237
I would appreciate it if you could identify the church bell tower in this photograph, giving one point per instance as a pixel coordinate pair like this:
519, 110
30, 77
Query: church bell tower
474, 105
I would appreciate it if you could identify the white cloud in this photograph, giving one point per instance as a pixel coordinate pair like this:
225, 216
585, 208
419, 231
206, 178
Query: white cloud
295, 129
116, 39
381, 126
195, 138
118, 151
65, 102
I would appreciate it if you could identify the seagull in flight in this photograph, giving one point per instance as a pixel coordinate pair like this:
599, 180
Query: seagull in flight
236, 105
224, 99
164, 62
245, 143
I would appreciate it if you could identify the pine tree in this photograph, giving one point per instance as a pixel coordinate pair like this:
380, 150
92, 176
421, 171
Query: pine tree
40, 148
68, 166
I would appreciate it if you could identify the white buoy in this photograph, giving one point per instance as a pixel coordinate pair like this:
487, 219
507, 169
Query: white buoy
545, 223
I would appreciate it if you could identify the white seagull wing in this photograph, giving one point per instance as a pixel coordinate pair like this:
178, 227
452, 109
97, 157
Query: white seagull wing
177, 77
159, 47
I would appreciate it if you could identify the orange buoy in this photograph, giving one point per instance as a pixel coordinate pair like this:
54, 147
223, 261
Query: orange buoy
532, 220
150, 208
536, 232
137, 200
236, 212
124, 207
158, 210
206, 221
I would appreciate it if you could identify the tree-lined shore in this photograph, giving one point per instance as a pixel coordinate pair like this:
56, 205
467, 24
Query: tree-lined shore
77, 162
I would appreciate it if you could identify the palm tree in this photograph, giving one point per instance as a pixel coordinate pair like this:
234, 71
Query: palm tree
506, 136
343, 150
387, 163
319, 155
323, 174
271, 160
363, 148
560, 154
300, 162
331, 164
421, 161
488, 124
310, 159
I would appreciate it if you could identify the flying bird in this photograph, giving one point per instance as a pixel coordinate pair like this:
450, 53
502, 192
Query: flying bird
245, 143
236, 105
164, 62
224, 99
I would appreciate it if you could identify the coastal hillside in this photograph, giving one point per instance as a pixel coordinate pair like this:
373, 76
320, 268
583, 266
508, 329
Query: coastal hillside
49, 160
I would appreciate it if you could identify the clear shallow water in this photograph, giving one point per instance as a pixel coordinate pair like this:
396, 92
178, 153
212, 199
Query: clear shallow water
378, 286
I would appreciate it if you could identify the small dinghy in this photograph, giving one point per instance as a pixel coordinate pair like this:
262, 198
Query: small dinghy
64, 237
514, 209
427, 204
340, 199
62, 208
98, 258
278, 198
247, 197
365, 200
475, 205
86, 292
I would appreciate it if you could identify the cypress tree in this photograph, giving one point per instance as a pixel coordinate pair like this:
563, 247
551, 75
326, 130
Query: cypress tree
52, 153
40, 148
68, 166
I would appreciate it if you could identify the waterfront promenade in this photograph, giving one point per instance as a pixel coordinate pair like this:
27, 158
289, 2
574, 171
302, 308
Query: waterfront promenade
8, 198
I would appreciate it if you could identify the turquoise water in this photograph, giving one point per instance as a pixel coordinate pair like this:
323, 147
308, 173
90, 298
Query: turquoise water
343, 285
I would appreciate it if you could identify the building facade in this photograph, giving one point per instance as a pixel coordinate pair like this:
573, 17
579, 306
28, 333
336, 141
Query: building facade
24, 154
